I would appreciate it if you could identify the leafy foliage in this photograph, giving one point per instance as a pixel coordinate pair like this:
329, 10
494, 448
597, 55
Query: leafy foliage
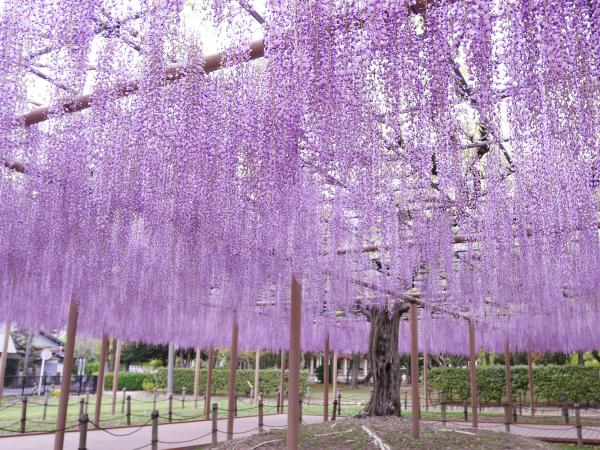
574, 383
128, 380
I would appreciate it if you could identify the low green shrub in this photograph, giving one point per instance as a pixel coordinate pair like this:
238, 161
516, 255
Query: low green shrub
184, 378
573, 383
131, 381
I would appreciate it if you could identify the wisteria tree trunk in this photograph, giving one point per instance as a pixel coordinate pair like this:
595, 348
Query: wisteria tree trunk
384, 360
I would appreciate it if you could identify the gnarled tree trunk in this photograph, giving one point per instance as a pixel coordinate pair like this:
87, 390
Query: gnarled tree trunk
384, 360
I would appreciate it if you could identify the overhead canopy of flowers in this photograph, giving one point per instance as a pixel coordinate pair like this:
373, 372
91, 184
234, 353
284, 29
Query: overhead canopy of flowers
444, 150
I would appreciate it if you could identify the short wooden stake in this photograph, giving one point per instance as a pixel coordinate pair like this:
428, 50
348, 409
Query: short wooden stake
45, 409
154, 399
23, 413
260, 414
83, 426
128, 413
300, 408
443, 405
170, 412
578, 426
154, 441
123, 400
465, 410
183, 398
215, 418
334, 413
339, 403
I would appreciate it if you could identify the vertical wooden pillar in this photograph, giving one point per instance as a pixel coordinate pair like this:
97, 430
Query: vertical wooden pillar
426, 378
65, 384
116, 376
197, 376
257, 375
101, 371
209, 377
414, 371
4, 358
473, 373
509, 395
326, 379
334, 375
170, 368
282, 383
531, 382
232, 379
293, 418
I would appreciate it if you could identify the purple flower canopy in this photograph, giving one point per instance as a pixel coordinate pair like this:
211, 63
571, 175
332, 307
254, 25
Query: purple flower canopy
447, 152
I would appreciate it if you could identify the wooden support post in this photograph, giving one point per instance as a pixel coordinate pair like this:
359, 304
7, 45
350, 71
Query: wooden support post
215, 423
260, 414
473, 374
128, 413
83, 426
154, 438
23, 414
282, 384
531, 383
170, 408
123, 400
426, 378
443, 406
414, 371
65, 385
45, 409
326, 379
334, 375
209, 377
4, 358
578, 425
100, 384
257, 376
509, 394
197, 377
170, 368
115, 385
182, 398
293, 417
232, 379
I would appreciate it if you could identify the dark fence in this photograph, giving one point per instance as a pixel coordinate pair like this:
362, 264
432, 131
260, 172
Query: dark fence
30, 385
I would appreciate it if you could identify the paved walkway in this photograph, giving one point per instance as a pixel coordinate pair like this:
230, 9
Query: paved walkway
539, 431
170, 436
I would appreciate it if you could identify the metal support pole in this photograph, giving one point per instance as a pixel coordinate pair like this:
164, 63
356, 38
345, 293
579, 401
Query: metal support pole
65, 385
256, 375
170, 411
81, 407
100, 383
232, 378
197, 377
154, 439
294, 398
128, 413
209, 377
509, 394
215, 427
578, 425
83, 426
23, 414
326, 379
473, 375
115, 385
414, 371
531, 383
260, 414
4, 358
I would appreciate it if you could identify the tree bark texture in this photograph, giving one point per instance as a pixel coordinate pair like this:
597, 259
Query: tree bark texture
384, 361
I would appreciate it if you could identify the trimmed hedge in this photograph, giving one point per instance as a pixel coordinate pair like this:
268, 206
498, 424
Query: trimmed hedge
575, 383
269, 380
128, 380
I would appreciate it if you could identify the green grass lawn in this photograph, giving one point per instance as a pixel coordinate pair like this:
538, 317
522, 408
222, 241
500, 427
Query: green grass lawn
353, 401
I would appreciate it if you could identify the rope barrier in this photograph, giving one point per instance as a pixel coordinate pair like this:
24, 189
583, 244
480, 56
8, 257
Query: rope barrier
121, 435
